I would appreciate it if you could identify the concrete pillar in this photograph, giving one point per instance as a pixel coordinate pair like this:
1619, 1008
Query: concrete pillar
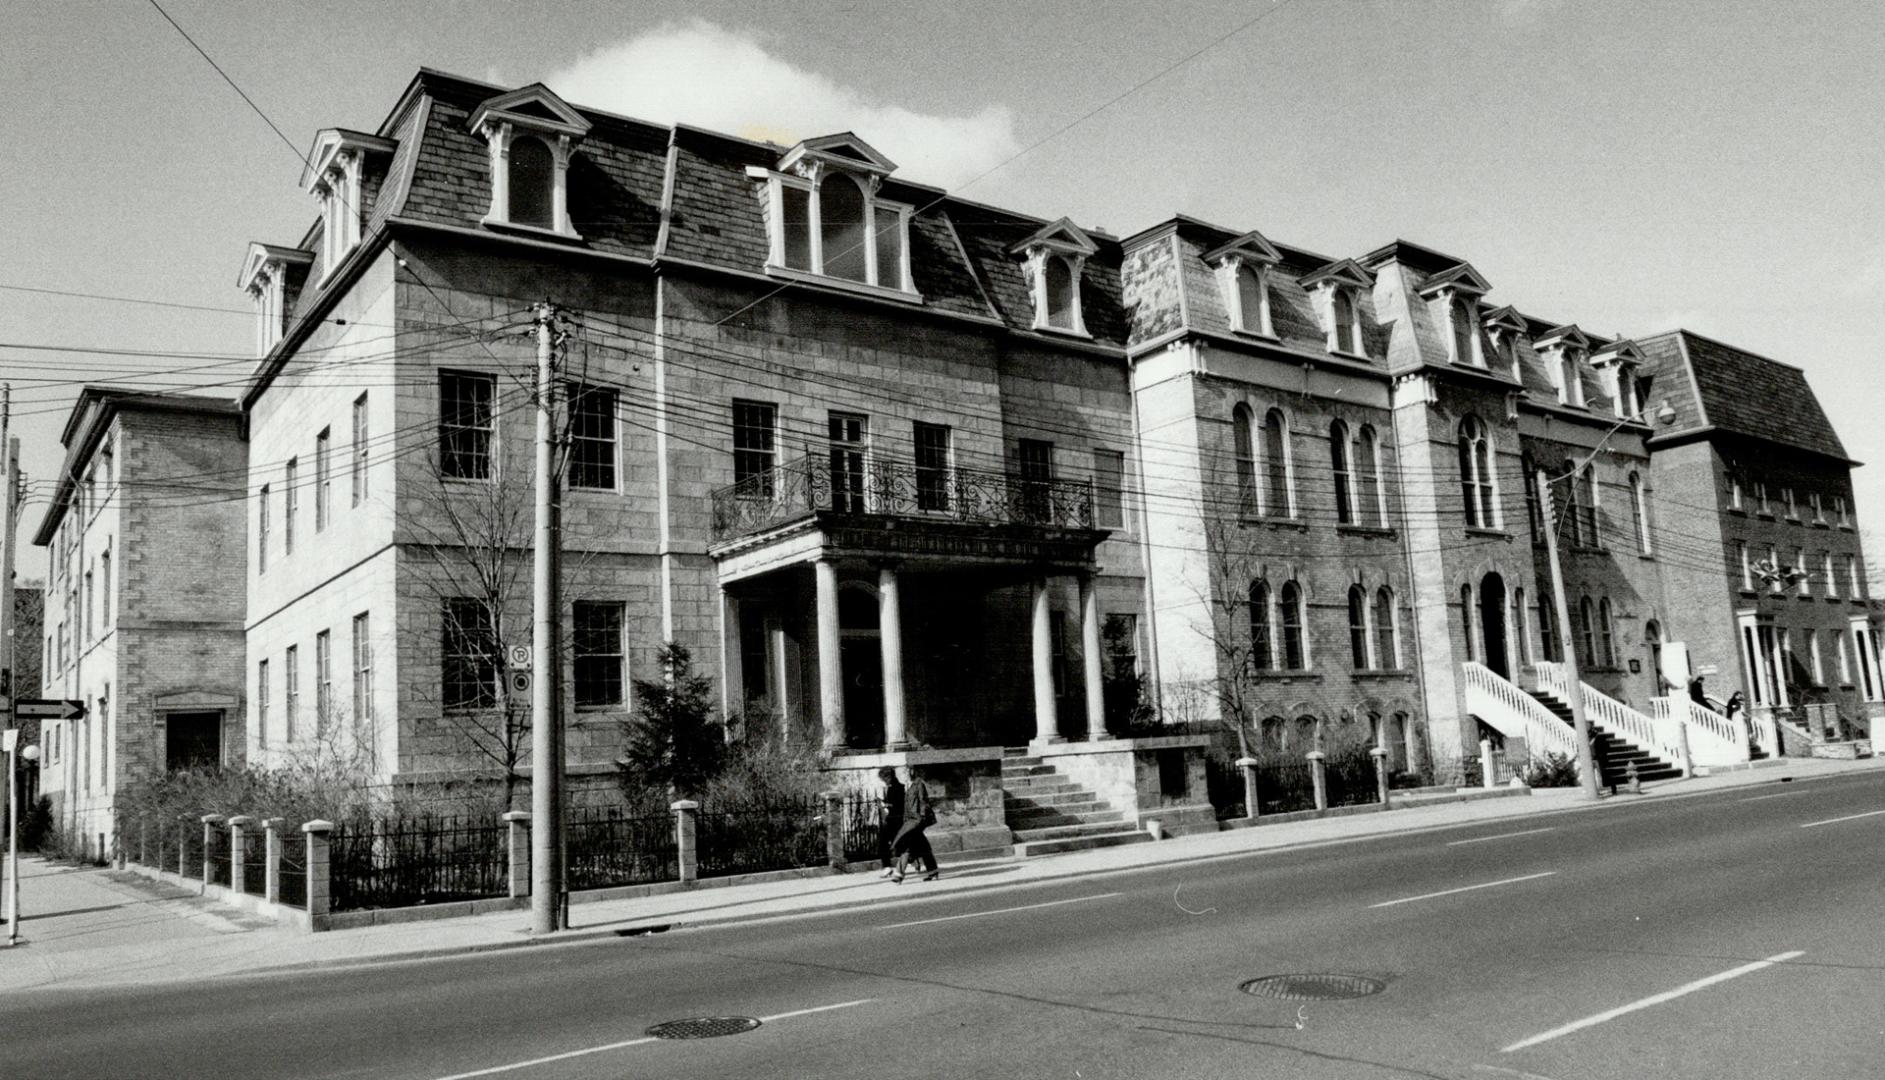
1090, 656
238, 871
834, 829
1686, 760
320, 893
1249, 766
732, 658
519, 835
212, 824
271, 860
1319, 774
830, 654
1046, 719
686, 819
1380, 756
890, 635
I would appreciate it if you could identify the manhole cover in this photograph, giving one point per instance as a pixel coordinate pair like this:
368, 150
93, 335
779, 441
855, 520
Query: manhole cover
704, 1027
1318, 987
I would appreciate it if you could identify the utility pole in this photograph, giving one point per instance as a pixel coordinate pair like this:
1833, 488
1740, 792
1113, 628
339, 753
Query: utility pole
8, 447
546, 722
1567, 648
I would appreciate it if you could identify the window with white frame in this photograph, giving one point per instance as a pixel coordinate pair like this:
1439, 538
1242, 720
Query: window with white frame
1813, 657
1262, 650
1818, 503
261, 703
1359, 643
1747, 567
362, 671
1243, 280
1374, 499
1855, 577
1463, 314
1244, 448
290, 692
261, 531
1476, 475
828, 217
467, 425
1341, 455
1387, 629
290, 503
1639, 513
1805, 584
1109, 475
266, 274
1831, 581
1279, 495
360, 449
755, 437
322, 484
592, 435
598, 653
1839, 510
935, 466
1345, 319
336, 169
1292, 611
531, 136
468, 673
323, 680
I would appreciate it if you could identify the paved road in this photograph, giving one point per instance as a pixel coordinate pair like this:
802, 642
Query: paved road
1740, 934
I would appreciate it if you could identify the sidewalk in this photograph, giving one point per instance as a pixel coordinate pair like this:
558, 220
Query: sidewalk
85, 928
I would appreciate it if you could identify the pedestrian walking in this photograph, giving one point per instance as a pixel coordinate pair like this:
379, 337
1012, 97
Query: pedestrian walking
912, 841
891, 822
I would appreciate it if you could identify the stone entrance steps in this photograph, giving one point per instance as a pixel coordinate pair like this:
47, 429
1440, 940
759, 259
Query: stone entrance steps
1050, 814
1617, 754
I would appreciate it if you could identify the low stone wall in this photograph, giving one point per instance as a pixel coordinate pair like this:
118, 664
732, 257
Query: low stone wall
964, 785
1126, 774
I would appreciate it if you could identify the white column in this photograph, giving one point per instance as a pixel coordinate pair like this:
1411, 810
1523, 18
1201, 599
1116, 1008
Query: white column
1046, 722
1090, 654
830, 665
890, 634
732, 657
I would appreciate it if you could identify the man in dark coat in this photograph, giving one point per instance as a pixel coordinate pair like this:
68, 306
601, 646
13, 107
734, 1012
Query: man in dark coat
911, 841
892, 821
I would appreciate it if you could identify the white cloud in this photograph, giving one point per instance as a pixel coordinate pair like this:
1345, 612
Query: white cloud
1527, 10
702, 74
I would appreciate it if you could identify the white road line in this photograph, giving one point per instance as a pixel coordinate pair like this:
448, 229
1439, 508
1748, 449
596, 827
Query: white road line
1656, 999
1776, 795
634, 1042
1464, 888
1501, 836
1848, 817
1003, 911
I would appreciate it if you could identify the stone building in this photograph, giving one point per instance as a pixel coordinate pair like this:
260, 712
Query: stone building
143, 614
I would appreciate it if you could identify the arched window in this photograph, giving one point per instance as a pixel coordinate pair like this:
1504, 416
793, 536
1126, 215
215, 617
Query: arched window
1466, 622
1262, 656
532, 179
1060, 286
1573, 515
1548, 629
1274, 734
1368, 466
1246, 450
1520, 631
1587, 500
1358, 627
1639, 513
1344, 478
1482, 509
1586, 632
1463, 352
1344, 313
1250, 300
1569, 392
1387, 642
1308, 733
1276, 493
841, 227
1295, 647
1605, 631
1626, 391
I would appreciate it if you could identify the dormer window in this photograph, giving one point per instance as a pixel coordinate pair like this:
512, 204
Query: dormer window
1347, 325
531, 135
272, 277
1562, 348
1338, 288
827, 217
336, 165
1454, 294
1504, 327
1618, 363
1054, 259
1465, 318
1243, 277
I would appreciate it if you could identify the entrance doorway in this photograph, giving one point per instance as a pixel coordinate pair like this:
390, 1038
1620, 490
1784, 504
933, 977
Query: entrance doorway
193, 740
861, 658
1492, 624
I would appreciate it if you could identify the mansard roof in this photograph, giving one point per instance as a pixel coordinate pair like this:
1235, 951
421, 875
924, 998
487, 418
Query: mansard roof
1715, 387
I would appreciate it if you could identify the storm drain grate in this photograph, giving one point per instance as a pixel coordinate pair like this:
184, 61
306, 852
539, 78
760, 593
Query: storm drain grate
704, 1027
1314, 987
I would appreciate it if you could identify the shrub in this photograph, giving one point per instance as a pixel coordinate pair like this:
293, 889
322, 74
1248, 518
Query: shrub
36, 824
672, 741
1553, 770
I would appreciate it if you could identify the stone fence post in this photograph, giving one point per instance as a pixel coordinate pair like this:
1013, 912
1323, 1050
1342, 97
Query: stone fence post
1319, 773
1380, 756
519, 822
318, 885
1488, 770
211, 826
1249, 766
834, 829
271, 860
238, 869
686, 813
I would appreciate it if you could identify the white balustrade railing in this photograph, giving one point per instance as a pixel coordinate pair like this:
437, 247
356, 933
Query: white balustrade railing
1516, 713
1614, 716
1714, 739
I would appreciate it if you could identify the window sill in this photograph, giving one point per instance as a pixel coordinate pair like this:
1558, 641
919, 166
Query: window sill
1289, 675
1748, 594
1845, 526
1365, 530
1765, 515
589, 710
1348, 354
1821, 525
1833, 599
861, 288
1646, 556
1275, 521
1479, 530
536, 231
1258, 335
1794, 519
1383, 674
574, 490
1737, 511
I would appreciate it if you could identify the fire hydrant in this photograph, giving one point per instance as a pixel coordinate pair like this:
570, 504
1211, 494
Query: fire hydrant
1629, 775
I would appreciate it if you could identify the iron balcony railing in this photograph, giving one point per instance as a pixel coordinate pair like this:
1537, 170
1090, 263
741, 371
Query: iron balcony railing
847, 482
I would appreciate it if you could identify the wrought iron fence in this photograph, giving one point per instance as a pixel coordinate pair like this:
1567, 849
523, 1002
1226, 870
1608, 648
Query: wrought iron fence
841, 484
749, 840
1351, 779
294, 869
613, 847
1224, 784
401, 862
254, 861
861, 818
190, 839
1285, 785
220, 865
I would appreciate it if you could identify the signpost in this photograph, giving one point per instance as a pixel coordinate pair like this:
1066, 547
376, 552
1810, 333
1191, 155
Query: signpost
48, 709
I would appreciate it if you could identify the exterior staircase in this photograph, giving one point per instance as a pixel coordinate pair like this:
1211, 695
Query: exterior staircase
1049, 813
1617, 753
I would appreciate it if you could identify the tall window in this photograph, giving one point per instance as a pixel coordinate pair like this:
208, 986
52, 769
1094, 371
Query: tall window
261, 532
841, 227
846, 232
933, 451
1251, 301
466, 425
468, 674
1339, 465
1476, 487
1548, 628
359, 449
1344, 313
849, 436
1037, 475
91, 602
1832, 582
1295, 647
1277, 496
1358, 627
261, 704
1587, 503
1639, 513
321, 479
1109, 469
104, 588
1368, 467
1522, 647
1586, 630
1570, 391
290, 692
1245, 446
323, 680
1463, 351
598, 653
1262, 655
1855, 578
1839, 510
531, 180
1805, 587
1747, 566
592, 437
1387, 649
755, 431
1060, 292
1813, 657
1466, 622
1606, 633
290, 503
362, 670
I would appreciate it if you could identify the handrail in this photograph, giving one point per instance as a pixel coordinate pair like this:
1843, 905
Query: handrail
1613, 715
1514, 712
1714, 739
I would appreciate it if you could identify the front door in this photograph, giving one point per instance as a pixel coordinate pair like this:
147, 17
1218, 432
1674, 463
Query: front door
863, 659
193, 740
1492, 623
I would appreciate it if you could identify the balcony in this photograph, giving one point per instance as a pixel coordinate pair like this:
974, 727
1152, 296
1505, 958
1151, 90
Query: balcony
853, 484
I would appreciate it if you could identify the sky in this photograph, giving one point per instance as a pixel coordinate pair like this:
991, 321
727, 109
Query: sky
1629, 166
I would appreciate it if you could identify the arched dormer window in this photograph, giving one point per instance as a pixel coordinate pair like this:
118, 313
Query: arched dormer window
827, 219
1061, 296
1243, 280
272, 276
1465, 319
531, 135
1279, 500
1244, 447
1340, 467
1570, 389
1054, 259
1338, 288
841, 227
1562, 348
532, 182
1347, 328
1262, 655
336, 169
1290, 616
1476, 475
1374, 504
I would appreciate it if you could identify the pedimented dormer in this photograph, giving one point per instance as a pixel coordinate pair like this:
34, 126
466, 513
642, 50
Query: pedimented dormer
1243, 277
1563, 349
1337, 289
335, 168
827, 219
1453, 296
1506, 328
531, 134
1053, 261
1617, 365
272, 276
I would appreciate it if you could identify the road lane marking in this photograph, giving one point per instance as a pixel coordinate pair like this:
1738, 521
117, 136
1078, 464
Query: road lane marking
635, 1042
1003, 911
1501, 836
1848, 817
1776, 795
1655, 999
1463, 888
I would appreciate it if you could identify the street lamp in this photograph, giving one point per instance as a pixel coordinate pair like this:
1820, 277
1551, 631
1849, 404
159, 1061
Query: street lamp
14, 753
1567, 651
